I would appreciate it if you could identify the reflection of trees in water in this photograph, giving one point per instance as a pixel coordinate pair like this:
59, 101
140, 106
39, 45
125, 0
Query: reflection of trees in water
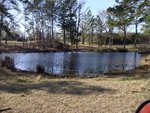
55, 62
61, 63
116, 62
110, 58
135, 59
24, 61
124, 62
111, 62
74, 62
0, 57
72, 66
102, 67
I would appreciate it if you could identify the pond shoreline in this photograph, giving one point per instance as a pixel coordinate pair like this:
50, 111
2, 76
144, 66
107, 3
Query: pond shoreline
137, 72
20, 49
14, 49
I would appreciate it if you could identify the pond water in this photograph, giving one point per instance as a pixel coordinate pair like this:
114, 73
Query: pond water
77, 63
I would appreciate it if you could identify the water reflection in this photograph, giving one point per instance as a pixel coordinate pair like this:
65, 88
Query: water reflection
78, 63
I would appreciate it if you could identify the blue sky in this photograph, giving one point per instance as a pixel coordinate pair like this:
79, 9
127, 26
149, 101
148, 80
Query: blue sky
98, 5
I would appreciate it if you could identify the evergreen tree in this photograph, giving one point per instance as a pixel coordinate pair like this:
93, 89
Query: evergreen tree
121, 16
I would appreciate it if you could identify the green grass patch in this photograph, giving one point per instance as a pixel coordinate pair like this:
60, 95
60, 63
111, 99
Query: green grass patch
23, 80
144, 77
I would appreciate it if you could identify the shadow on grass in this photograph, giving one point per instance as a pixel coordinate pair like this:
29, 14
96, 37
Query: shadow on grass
15, 83
55, 87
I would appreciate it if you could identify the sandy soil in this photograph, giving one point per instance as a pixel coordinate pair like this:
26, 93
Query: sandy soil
31, 93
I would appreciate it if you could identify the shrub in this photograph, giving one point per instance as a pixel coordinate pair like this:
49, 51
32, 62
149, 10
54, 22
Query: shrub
8, 62
40, 69
108, 50
122, 50
3, 63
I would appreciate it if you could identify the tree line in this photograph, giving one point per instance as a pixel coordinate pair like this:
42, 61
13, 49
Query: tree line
66, 21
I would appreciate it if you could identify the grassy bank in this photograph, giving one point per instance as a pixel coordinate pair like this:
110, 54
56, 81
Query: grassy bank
27, 93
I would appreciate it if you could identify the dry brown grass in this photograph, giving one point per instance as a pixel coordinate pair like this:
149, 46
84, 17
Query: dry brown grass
23, 93
145, 59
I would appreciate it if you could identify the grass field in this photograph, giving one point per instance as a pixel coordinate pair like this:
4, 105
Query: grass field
31, 93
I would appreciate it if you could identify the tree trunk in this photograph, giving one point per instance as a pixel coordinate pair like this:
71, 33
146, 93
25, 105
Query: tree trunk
64, 36
78, 25
92, 36
112, 40
6, 38
1, 24
136, 32
63, 24
98, 41
109, 43
52, 30
52, 26
89, 41
83, 40
124, 38
105, 41
0, 37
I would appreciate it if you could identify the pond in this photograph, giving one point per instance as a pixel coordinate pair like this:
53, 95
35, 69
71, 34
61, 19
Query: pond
77, 63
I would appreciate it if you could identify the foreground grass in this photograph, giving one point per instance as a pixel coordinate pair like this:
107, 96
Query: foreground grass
28, 93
